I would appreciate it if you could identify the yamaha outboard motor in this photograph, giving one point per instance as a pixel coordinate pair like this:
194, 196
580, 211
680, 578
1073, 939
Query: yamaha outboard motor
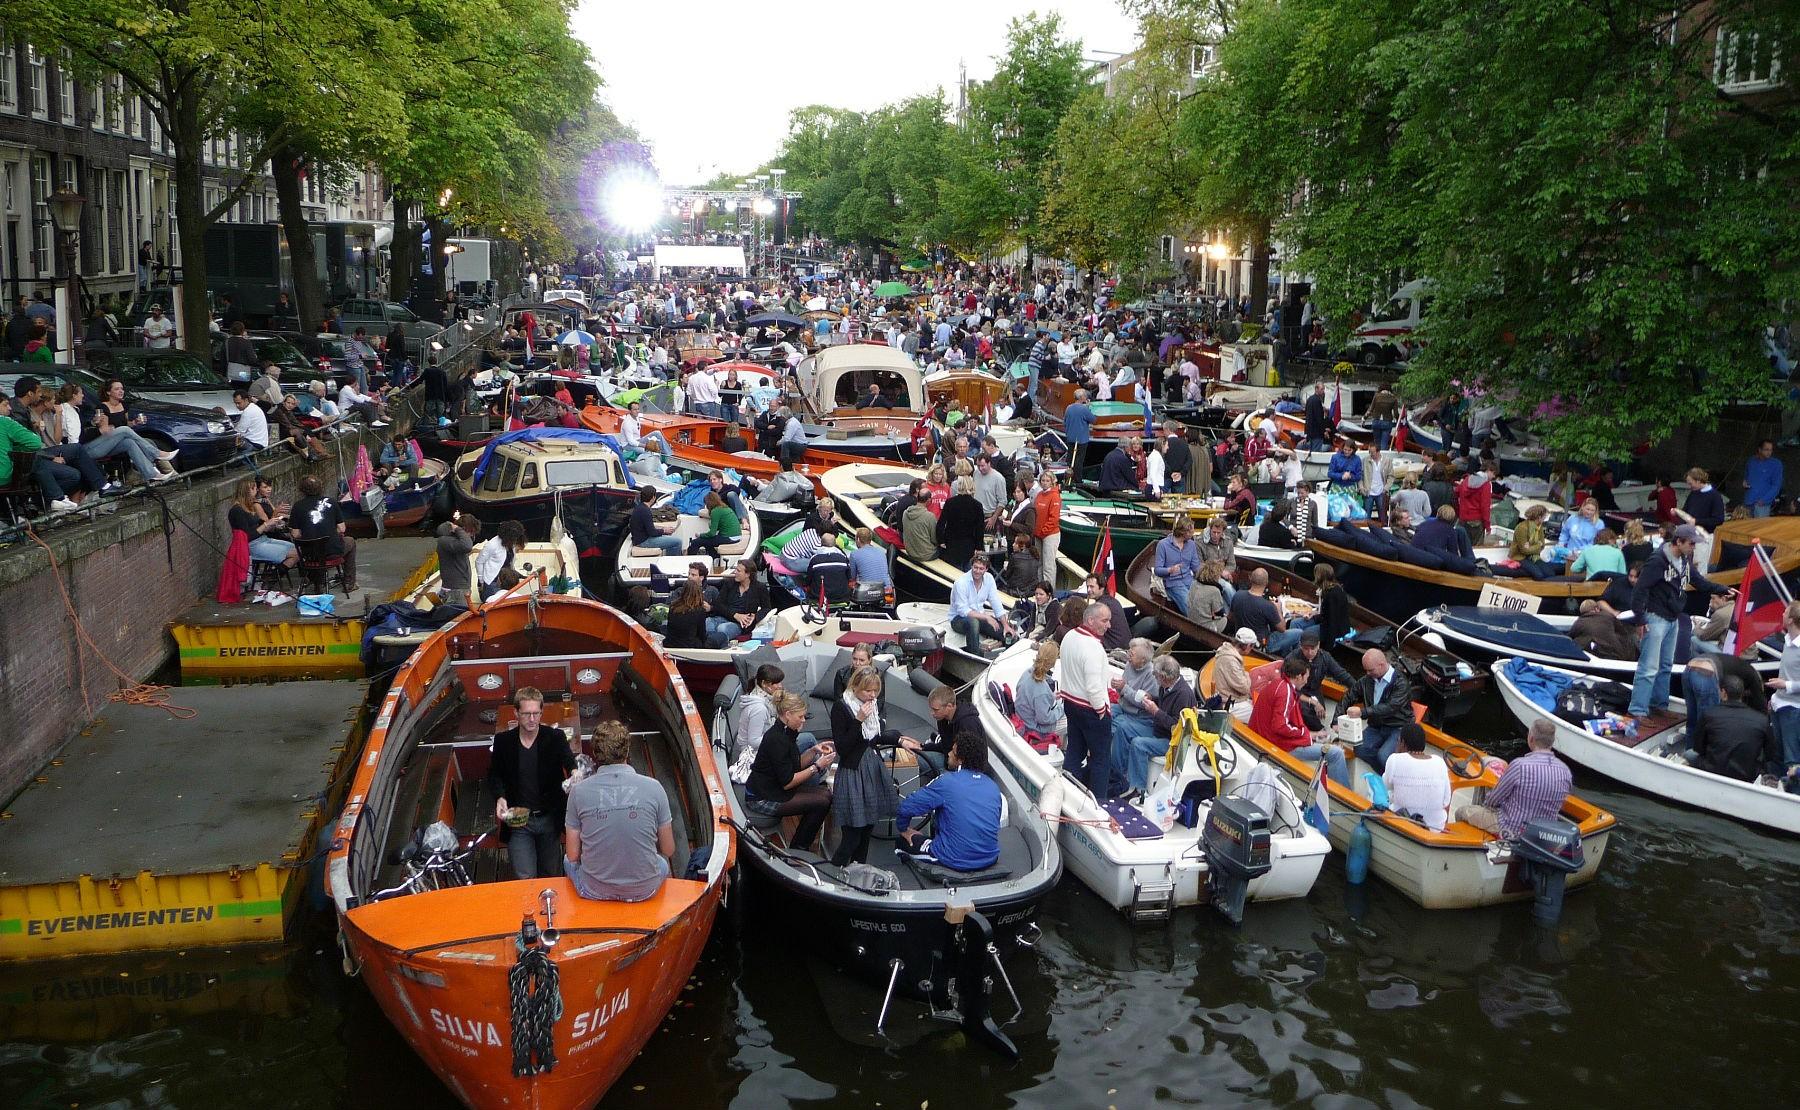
919, 642
871, 597
1550, 851
1236, 842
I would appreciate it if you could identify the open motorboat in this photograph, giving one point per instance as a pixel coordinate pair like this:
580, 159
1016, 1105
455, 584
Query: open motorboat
1444, 681
1543, 638
521, 992
835, 381
401, 505
921, 930
1652, 759
662, 571
1458, 868
1129, 859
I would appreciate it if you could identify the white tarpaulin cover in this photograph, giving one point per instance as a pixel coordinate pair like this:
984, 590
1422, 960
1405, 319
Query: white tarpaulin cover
712, 258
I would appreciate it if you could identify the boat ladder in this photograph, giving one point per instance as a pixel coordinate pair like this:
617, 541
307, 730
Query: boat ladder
1152, 899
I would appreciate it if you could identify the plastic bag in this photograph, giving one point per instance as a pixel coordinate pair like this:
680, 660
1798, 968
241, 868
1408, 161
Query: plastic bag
318, 605
1343, 506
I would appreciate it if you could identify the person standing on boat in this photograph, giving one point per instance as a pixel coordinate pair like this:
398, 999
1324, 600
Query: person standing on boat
619, 832
1086, 677
863, 793
1659, 599
1534, 785
1318, 422
1078, 427
1384, 413
527, 765
1047, 526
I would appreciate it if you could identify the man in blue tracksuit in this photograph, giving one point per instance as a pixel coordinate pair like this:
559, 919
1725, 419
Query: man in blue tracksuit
1658, 599
965, 805
1763, 476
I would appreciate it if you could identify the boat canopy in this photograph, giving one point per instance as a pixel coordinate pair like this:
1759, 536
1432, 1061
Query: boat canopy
840, 376
539, 433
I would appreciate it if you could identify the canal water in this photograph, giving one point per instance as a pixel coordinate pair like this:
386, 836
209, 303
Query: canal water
1675, 981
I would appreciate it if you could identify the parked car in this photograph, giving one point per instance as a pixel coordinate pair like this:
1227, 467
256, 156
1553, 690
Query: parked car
296, 369
326, 353
377, 318
161, 375
202, 438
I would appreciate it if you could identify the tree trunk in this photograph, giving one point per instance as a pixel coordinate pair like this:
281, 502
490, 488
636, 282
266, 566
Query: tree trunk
185, 133
309, 295
400, 252
1259, 270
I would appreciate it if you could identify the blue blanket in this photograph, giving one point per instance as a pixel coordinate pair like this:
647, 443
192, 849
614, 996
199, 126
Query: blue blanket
1539, 685
1508, 629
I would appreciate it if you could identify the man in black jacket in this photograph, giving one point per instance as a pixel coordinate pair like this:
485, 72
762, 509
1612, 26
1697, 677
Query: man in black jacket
1733, 739
1319, 666
1658, 600
1318, 421
526, 772
951, 718
1382, 697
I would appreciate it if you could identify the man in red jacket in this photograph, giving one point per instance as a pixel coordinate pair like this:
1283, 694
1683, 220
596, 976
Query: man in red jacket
1475, 503
1276, 717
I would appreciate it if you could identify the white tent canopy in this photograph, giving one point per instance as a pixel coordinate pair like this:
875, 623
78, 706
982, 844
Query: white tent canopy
711, 258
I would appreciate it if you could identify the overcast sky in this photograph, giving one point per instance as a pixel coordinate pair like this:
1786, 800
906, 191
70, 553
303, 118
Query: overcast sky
710, 89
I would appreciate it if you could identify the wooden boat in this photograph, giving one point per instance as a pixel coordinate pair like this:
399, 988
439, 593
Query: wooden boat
939, 934
403, 506
835, 379
522, 475
1397, 589
1505, 633
1453, 869
862, 488
1134, 523
696, 440
973, 390
1444, 687
1148, 877
1529, 459
436, 939
1643, 761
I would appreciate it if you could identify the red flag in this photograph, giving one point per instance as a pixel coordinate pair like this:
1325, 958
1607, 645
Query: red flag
1400, 430
1337, 403
1103, 560
921, 437
1760, 605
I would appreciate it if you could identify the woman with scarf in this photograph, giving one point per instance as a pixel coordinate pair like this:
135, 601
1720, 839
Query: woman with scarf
863, 793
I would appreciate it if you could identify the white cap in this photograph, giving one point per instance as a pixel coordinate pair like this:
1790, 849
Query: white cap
1245, 636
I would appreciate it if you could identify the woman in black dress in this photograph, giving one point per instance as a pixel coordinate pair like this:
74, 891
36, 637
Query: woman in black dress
864, 791
960, 525
785, 781
1334, 605
687, 618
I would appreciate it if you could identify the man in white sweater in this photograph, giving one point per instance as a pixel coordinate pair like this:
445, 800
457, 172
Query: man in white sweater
1085, 684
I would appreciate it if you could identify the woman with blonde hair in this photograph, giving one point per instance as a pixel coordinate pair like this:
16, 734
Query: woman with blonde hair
937, 489
1039, 709
864, 792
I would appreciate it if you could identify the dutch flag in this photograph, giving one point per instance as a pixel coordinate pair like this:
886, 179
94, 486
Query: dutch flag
1318, 811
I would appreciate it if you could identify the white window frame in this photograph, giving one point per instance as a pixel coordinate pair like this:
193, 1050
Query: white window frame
65, 91
115, 104
133, 127
1201, 58
38, 67
1736, 57
9, 68
42, 174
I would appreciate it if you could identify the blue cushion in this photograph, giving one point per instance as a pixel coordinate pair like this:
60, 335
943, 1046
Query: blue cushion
1369, 545
1336, 537
1418, 556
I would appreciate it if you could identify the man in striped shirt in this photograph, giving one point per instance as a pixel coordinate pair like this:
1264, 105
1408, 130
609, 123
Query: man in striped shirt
1086, 681
1534, 785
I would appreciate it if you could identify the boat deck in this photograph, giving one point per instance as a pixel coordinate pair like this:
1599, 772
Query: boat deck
175, 832
252, 640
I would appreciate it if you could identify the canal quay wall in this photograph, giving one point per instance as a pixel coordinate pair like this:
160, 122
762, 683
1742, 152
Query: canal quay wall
128, 574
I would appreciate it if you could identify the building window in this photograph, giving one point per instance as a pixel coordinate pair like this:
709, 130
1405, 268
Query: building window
40, 213
10, 171
9, 64
1746, 61
1166, 248
40, 104
1201, 58
132, 126
115, 103
115, 224
93, 224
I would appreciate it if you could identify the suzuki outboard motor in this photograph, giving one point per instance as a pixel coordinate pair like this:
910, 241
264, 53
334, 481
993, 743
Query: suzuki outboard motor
1550, 851
1236, 842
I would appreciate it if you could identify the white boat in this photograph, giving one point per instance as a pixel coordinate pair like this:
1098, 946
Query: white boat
844, 628
1643, 762
1542, 638
641, 566
1146, 878
1459, 868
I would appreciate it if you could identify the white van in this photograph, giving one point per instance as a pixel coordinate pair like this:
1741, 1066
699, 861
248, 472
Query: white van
1386, 337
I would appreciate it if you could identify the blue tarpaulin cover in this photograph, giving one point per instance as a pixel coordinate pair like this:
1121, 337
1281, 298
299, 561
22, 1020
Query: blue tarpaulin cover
1511, 631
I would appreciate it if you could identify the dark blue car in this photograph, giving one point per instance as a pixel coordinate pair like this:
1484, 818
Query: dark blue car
201, 436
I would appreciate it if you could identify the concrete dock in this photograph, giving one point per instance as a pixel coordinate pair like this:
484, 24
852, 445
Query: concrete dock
151, 831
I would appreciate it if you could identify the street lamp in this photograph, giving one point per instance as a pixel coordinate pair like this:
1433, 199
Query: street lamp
65, 210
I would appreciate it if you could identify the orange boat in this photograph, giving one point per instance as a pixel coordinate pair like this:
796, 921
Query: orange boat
696, 439
433, 928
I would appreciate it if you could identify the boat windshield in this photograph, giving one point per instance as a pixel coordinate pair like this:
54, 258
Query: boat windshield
574, 473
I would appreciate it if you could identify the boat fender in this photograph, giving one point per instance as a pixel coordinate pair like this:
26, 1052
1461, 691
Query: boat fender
1356, 859
1435, 640
1050, 799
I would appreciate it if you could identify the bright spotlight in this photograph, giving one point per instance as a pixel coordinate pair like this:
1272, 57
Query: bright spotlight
633, 200
764, 206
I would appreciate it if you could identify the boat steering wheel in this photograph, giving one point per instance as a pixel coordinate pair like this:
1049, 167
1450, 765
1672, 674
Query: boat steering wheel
812, 614
1226, 754
1464, 762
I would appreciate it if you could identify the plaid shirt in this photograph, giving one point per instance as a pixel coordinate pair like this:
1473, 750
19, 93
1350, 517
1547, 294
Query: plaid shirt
1534, 785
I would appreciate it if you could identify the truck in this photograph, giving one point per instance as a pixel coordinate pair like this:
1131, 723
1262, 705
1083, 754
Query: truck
1386, 338
252, 262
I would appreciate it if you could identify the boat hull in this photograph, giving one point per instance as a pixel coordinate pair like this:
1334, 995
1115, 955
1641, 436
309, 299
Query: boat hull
1656, 776
615, 991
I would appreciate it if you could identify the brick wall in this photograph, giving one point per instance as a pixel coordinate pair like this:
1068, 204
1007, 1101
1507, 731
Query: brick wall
129, 574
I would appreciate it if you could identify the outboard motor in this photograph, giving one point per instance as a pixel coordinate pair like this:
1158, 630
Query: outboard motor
1549, 849
1236, 843
919, 642
871, 597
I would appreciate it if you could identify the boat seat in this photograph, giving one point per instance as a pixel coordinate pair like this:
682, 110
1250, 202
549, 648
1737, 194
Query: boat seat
936, 874
738, 546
